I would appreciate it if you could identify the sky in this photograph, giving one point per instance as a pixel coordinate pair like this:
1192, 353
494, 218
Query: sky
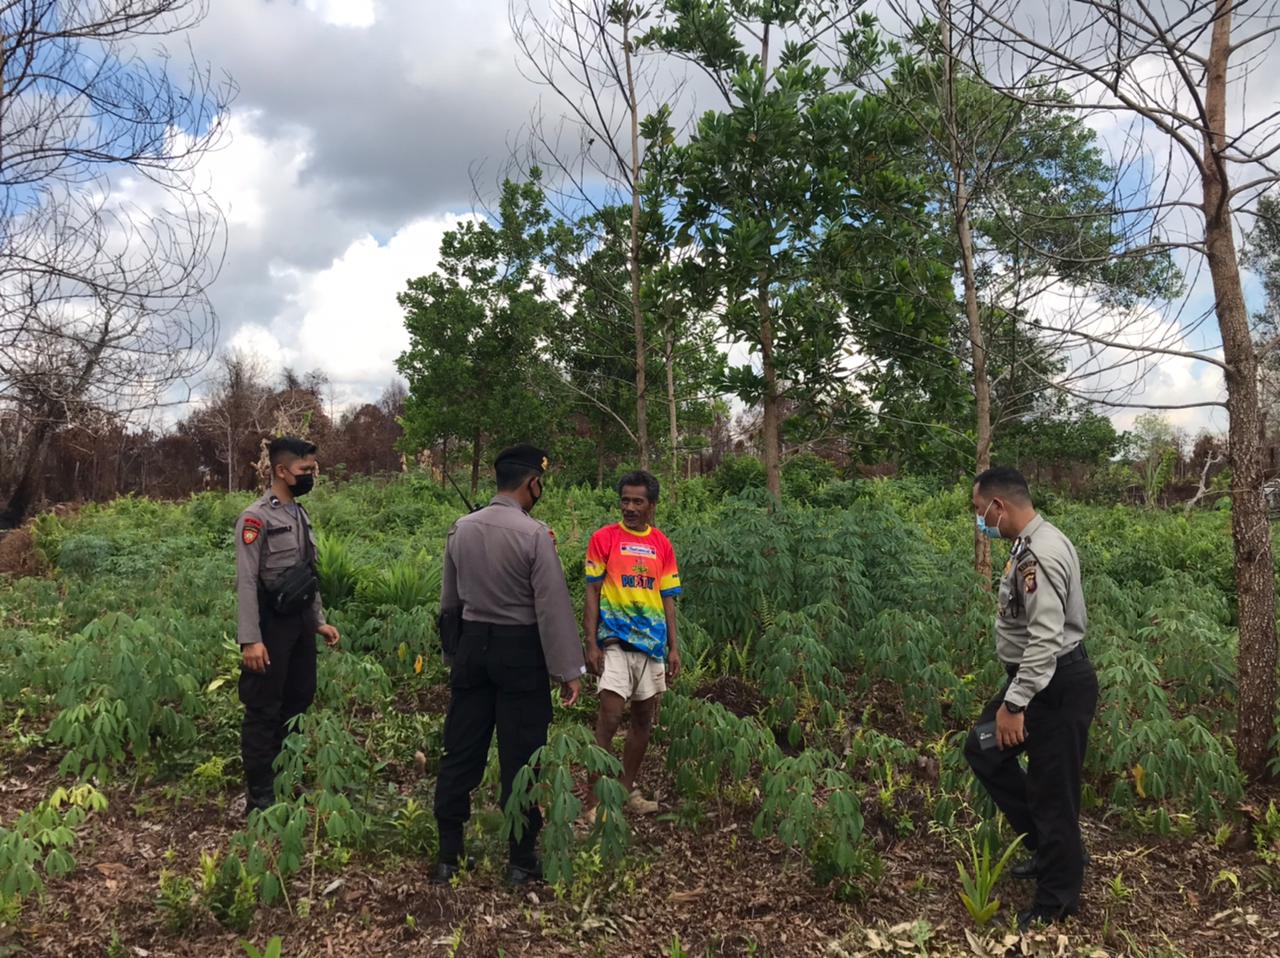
359, 135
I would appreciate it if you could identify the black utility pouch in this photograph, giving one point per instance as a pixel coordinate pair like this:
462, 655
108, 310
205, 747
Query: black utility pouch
450, 623
294, 591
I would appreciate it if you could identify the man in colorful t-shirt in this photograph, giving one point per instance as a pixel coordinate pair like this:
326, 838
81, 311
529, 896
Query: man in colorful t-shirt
630, 624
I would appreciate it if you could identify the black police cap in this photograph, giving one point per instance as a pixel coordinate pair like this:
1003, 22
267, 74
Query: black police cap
525, 455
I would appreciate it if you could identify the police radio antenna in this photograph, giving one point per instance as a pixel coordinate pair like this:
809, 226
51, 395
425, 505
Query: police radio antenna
462, 495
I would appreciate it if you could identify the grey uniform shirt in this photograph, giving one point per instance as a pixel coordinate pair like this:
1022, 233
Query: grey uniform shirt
1042, 613
268, 543
501, 567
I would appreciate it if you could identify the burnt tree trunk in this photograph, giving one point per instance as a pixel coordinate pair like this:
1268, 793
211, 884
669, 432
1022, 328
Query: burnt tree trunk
1250, 530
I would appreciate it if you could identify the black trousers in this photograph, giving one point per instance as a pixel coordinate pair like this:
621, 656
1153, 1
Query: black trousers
498, 679
274, 698
1043, 803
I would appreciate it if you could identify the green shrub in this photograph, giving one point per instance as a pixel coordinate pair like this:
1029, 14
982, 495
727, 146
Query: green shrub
736, 474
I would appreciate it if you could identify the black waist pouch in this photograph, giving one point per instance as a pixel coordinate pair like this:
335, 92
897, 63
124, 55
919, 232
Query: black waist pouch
294, 591
450, 625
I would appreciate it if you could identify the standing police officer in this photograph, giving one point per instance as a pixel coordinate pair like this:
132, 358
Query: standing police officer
1047, 705
280, 614
507, 623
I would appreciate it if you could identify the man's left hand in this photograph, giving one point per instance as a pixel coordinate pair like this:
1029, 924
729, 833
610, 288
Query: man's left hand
673, 664
331, 636
1010, 729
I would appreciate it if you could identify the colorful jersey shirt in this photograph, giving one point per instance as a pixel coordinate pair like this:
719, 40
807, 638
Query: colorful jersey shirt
638, 569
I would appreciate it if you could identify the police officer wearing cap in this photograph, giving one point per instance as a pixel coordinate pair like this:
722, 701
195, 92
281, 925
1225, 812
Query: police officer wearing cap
507, 625
1047, 705
281, 613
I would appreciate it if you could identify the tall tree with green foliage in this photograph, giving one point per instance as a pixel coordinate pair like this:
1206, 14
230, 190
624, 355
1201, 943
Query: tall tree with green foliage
478, 326
1022, 195
797, 215
1172, 76
1262, 256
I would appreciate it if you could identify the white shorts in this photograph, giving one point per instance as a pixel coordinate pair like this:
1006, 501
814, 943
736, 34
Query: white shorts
632, 675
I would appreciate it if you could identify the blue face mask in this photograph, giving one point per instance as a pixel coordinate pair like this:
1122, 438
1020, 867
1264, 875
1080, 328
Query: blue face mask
991, 532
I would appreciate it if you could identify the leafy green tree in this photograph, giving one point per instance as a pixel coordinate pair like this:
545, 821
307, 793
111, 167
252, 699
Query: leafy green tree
1154, 448
1084, 438
1020, 194
798, 220
477, 364
1262, 256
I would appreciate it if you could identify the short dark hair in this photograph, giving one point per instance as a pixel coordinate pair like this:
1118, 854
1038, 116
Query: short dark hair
285, 449
512, 474
1005, 482
641, 478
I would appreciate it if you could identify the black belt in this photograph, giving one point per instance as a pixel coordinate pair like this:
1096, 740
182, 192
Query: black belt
1066, 658
494, 631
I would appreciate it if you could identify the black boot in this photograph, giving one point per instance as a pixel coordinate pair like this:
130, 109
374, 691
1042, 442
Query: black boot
258, 798
444, 872
529, 873
1039, 915
1029, 868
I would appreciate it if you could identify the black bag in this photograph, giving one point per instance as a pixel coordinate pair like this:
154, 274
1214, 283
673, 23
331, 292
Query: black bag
450, 624
297, 588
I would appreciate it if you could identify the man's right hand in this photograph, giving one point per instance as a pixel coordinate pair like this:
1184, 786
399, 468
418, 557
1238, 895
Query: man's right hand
569, 692
595, 658
255, 657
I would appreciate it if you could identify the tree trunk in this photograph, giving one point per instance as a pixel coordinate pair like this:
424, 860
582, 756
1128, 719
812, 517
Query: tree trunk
475, 464
444, 462
771, 426
964, 234
673, 423
27, 487
1250, 531
231, 455
637, 314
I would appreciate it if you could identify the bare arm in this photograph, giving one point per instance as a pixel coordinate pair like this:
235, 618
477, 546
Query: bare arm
673, 647
591, 626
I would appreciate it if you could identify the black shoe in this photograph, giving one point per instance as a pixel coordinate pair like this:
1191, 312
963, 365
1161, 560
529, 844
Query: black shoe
258, 800
521, 875
1041, 915
1029, 868
444, 872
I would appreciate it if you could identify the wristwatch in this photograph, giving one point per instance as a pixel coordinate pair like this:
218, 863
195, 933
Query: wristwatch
1014, 709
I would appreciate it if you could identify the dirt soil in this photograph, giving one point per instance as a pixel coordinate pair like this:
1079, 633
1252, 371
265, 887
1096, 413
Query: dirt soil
721, 891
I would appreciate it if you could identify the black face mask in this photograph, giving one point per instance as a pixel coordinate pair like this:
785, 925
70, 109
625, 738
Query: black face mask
535, 498
302, 484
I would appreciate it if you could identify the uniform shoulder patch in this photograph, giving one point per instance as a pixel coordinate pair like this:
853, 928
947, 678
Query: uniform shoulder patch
1028, 577
252, 529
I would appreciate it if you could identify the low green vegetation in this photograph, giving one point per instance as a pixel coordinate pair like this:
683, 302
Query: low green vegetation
851, 617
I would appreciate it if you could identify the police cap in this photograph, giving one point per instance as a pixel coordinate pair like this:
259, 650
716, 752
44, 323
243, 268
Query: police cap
524, 455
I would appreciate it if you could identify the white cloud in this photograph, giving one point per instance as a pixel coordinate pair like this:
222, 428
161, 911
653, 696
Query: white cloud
1130, 370
260, 342
345, 13
344, 319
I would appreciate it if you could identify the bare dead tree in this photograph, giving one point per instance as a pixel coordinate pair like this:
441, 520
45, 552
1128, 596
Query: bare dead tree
1166, 74
243, 412
107, 243
585, 52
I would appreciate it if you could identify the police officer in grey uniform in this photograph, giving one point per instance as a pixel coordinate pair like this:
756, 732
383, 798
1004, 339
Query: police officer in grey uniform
508, 627
280, 613
1048, 703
